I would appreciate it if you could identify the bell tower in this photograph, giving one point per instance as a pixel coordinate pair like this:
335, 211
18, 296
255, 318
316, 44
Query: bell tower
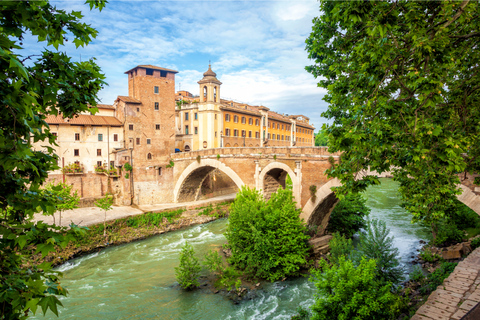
210, 116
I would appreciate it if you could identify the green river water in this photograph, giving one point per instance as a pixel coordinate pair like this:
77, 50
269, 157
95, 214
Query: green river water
137, 281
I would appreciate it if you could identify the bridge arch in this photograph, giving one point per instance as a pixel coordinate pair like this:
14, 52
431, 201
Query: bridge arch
275, 170
188, 184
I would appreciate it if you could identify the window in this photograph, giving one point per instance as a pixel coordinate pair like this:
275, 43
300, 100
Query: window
100, 137
138, 109
186, 129
54, 134
215, 134
77, 136
244, 134
115, 137
204, 93
157, 127
196, 116
257, 122
160, 171
138, 141
112, 164
155, 89
235, 119
215, 94
157, 106
149, 72
250, 121
215, 116
283, 137
186, 115
278, 126
130, 127
257, 135
99, 152
149, 156
282, 126
235, 133
149, 141
227, 132
99, 163
244, 120
269, 136
76, 152
196, 130
273, 136
249, 134
227, 117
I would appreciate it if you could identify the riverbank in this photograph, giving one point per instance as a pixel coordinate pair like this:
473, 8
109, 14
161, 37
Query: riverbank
132, 228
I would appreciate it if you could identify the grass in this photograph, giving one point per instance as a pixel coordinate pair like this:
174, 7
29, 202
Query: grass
216, 212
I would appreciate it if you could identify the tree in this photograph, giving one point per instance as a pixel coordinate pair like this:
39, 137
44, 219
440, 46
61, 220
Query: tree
31, 87
267, 238
346, 291
321, 138
105, 204
189, 269
402, 86
376, 244
61, 195
349, 214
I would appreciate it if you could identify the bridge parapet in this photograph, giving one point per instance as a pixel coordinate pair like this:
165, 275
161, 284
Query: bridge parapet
255, 151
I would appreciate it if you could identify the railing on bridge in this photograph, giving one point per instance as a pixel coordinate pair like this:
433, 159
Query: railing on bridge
287, 151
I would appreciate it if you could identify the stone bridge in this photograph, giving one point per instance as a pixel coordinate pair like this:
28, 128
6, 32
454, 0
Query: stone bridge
265, 169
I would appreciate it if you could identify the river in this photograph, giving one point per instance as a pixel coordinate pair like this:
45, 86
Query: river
137, 280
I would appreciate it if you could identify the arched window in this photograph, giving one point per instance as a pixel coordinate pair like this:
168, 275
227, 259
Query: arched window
204, 93
149, 156
215, 94
187, 148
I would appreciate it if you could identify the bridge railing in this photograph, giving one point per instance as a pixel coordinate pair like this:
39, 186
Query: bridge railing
291, 151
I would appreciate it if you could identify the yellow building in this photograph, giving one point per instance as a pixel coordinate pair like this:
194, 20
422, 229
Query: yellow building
207, 121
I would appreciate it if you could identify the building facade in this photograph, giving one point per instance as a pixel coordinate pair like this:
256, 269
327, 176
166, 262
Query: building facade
207, 121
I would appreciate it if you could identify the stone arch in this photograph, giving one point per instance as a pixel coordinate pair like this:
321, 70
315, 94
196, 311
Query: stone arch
227, 145
186, 148
317, 210
235, 145
278, 169
191, 179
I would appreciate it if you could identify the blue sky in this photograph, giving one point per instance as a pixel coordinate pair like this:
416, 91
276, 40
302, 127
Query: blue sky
257, 48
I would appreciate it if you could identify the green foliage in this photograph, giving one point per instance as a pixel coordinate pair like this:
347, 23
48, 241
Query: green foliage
427, 255
402, 88
214, 262
127, 166
302, 314
349, 214
61, 196
127, 175
313, 192
32, 87
340, 247
376, 244
436, 278
189, 269
266, 237
288, 183
218, 157
170, 164
216, 212
228, 277
105, 204
153, 219
199, 158
476, 181
475, 243
346, 291
448, 233
417, 274
321, 138
73, 168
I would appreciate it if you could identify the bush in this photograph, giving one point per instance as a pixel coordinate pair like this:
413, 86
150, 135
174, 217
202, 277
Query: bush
376, 244
427, 255
302, 314
475, 243
266, 238
448, 233
228, 277
346, 291
340, 247
189, 269
349, 214
437, 277
417, 274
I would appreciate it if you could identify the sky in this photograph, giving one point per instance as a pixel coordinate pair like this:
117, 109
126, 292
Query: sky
256, 48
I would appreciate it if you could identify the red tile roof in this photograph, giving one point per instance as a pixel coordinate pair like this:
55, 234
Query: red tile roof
84, 119
129, 99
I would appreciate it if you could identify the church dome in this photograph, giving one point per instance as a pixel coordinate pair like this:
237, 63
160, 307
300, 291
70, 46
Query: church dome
209, 72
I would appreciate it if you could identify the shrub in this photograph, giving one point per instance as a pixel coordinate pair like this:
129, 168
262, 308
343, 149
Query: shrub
475, 243
346, 291
266, 238
427, 255
417, 274
228, 277
127, 166
340, 247
188, 270
302, 314
376, 244
437, 277
448, 233
349, 214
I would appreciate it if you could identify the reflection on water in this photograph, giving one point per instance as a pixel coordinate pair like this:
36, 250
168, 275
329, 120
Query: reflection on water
137, 280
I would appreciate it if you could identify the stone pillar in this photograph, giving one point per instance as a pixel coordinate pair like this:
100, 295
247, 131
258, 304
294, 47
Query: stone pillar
256, 175
297, 188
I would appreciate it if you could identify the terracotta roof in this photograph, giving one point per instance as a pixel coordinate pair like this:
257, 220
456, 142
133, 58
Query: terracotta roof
149, 66
105, 106
84, 119
129, 99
